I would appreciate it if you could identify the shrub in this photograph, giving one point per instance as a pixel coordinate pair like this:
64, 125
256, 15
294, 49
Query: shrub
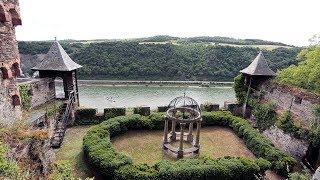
62, 170
103, 156
144, 111
26, 98
286, 123
304, 175
86, 117
8, 168
317, 113
314, 136
52, 111
114, 112
265, 114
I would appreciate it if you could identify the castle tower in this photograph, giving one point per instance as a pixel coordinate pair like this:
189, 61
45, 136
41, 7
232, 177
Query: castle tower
10, 109
57, 63
258, 71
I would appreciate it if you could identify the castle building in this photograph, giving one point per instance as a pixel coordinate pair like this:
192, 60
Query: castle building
10, 109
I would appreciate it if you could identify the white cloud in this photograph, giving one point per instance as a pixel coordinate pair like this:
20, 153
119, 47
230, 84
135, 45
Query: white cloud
292, 22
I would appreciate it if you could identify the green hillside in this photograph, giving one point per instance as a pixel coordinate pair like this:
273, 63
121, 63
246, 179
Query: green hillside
306, 74
171, 60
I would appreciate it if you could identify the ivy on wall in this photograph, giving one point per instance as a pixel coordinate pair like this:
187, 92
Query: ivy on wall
264, 113
240, 88
25, 96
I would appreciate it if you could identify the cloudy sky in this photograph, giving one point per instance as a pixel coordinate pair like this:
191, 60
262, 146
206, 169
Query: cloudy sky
289, 21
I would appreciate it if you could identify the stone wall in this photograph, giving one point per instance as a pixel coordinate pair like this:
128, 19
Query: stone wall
41, 90
295, 147
9, 61
300, 102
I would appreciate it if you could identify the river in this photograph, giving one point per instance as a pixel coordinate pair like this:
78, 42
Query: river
105, 96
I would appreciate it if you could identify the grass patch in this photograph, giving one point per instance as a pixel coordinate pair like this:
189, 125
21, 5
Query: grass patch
71, 150
145, 146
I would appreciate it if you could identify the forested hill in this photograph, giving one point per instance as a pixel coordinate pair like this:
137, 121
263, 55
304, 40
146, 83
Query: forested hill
138, 60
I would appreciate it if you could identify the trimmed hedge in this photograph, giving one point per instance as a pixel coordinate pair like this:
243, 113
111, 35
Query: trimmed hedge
144, 111
102, 155
210, 107
86, 116
114, 112
163, 108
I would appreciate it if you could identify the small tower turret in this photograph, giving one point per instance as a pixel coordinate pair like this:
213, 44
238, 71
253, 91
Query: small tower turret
57, 63
258, 71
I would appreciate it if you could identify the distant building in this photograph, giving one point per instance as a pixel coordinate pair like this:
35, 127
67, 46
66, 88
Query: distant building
10, 109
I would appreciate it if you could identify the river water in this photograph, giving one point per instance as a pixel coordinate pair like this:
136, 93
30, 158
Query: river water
102, 96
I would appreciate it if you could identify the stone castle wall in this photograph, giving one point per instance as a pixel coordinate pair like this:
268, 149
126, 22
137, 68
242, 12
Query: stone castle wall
42, 90
301, 103
10, 109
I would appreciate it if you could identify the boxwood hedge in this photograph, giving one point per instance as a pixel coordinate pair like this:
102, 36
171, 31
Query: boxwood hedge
103, 156
86, 116
114, 112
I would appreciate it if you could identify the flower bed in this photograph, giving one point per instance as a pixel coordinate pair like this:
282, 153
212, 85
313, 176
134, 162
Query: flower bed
103, 156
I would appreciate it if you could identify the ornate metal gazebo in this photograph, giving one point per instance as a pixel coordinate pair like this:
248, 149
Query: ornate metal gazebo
183, 112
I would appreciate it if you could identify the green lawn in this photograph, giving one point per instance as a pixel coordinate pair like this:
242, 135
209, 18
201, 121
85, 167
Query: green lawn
71, 150
146, 146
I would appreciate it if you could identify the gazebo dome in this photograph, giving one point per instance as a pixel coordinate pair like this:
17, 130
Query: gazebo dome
184, 101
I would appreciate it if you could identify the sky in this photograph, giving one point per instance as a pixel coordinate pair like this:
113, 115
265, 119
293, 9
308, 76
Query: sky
288, 21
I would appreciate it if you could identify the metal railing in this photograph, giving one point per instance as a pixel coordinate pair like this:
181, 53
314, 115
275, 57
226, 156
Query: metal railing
70, 105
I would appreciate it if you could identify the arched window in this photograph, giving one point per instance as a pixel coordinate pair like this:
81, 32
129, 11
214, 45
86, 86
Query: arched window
2, 14
59, 88
15, 17
15, 70
16, 100
4, 73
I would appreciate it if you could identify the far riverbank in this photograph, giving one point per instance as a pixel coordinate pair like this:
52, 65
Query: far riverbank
154, 83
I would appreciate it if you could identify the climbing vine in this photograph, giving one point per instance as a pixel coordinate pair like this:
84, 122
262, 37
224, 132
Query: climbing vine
25, 96
240, 88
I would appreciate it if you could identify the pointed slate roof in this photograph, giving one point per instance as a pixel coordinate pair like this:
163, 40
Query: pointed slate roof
259, 66
56, 60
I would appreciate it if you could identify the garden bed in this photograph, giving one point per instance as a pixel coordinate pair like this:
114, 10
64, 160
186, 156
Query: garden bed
104, 157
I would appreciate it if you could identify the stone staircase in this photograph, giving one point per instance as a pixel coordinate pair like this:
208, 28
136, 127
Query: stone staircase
60, 128
63, 121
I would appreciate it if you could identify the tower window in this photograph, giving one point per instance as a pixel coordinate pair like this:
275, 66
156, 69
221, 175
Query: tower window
15, 70
15, 18
4, 73
16, 100
2, 14
297, 100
